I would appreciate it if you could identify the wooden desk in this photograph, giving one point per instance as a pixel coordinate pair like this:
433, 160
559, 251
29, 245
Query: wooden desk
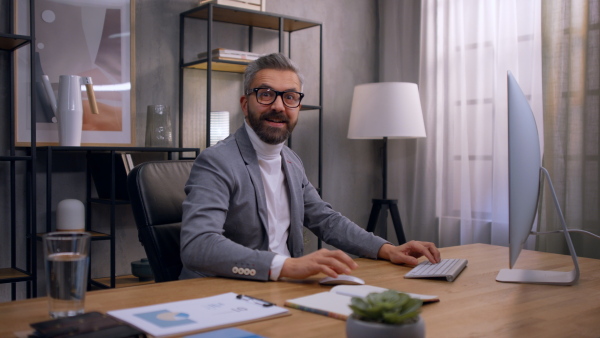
474, 305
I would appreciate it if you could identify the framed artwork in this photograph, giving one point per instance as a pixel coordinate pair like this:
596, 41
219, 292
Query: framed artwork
85, 38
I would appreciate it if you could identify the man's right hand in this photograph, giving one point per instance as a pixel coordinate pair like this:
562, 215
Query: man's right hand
326, 261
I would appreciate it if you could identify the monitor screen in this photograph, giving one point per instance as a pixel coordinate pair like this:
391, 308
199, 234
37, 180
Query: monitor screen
524, 173
524, 163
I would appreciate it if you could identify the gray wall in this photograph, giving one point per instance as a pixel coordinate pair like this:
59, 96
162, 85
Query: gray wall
351, 175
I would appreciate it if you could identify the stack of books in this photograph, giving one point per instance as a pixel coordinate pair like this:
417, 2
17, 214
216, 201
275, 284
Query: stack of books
257, 5
231, 55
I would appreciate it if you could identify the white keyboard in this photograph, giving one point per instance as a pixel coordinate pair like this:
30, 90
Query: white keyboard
447, 268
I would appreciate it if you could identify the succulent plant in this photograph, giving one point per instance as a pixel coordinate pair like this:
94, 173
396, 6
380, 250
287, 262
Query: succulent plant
389, 307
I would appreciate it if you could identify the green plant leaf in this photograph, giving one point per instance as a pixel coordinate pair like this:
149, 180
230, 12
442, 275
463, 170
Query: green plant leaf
411, 309
389, 307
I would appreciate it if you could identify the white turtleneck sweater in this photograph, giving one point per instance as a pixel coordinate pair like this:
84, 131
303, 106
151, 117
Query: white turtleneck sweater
276, 193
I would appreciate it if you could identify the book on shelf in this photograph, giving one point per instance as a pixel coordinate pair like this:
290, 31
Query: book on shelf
100, 168
335, 303
230, 54
124, 162
201, 314
257, 5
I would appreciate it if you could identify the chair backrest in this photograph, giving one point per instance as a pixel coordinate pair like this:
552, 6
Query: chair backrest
156, 191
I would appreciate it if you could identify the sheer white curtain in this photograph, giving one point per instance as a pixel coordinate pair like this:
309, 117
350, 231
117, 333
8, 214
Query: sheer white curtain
571, 31
460, 171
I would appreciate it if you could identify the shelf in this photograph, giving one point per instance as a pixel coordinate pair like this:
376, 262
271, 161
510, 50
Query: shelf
9, 275
12, 41
95, 236
14, 158
248, 17
219, 66
108, 201
310, 107
120, 282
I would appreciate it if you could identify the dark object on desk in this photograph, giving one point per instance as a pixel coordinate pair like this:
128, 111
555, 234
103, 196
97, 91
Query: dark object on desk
156, 192
87, 325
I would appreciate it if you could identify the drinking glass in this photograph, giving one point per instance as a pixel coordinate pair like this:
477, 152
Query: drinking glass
66, 257
159, 132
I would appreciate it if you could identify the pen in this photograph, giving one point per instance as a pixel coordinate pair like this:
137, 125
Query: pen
255, 300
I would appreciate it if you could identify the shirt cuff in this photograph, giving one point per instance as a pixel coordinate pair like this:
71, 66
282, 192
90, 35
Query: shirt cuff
276, 266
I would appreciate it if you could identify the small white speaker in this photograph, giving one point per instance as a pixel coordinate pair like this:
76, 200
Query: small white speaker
70, 215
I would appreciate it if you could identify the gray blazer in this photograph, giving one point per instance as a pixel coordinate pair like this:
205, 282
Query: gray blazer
224, 228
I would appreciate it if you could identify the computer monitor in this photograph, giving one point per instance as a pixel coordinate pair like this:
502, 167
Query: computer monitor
525, 179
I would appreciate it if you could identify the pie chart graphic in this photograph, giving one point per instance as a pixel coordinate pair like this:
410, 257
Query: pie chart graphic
172, 316
166, 318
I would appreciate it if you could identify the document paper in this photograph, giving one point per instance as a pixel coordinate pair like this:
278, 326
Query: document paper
197, 314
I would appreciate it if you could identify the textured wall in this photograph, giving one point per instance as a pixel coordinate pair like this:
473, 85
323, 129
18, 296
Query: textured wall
349, 58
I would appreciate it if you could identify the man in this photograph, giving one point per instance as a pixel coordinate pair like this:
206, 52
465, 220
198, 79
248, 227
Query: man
248, 197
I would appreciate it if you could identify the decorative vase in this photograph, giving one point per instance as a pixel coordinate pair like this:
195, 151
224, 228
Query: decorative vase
142, 270
68, 108
158, 126
356, 328
70, 215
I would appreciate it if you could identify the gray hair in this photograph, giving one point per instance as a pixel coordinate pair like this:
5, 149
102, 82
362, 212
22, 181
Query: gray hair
271, 61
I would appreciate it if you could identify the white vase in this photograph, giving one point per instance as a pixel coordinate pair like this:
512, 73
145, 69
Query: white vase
69, 110
361, 329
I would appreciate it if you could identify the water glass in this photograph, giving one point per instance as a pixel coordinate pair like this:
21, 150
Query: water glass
66, 257
159, 132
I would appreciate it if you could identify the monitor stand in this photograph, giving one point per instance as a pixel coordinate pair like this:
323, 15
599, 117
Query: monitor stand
541, 276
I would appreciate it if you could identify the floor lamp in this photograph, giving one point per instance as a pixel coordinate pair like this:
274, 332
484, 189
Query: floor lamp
381, 111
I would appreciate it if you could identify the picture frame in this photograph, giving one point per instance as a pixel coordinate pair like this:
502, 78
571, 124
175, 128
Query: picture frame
86, 38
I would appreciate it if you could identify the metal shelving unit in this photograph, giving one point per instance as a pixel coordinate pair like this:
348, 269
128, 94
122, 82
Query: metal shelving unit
22, 239
111, 281
212, 13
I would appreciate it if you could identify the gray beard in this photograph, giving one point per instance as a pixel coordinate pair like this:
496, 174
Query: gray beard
266, 133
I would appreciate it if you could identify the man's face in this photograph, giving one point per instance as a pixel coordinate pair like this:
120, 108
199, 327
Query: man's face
272, 123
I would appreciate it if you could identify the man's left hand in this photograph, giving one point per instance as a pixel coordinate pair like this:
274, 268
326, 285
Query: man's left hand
408, 253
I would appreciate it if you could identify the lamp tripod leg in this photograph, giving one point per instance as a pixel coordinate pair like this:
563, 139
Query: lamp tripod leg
381, 206
397, 222
374, 216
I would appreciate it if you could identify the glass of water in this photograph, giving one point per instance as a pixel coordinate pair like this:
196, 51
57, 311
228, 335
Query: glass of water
66, 257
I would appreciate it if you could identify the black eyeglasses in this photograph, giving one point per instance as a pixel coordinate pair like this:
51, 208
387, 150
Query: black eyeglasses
267, 96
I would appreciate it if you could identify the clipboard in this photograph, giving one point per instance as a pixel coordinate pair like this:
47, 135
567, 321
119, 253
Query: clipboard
198, 315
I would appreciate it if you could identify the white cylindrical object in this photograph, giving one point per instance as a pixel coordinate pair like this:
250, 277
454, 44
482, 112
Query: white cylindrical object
386, 109
70, 110
70, 215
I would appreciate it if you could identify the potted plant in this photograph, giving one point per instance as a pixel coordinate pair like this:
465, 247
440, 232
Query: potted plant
386, 314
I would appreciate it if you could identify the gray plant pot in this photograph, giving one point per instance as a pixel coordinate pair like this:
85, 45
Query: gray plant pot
360, 329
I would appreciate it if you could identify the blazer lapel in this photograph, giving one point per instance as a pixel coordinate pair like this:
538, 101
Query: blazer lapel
249, 155
294, 182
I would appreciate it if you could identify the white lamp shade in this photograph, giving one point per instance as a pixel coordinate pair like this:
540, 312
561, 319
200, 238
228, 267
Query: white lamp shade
386, 109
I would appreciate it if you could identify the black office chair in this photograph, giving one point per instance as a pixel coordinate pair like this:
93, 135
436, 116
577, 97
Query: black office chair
156, 193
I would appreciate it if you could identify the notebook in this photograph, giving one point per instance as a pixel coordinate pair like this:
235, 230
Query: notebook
335, 303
